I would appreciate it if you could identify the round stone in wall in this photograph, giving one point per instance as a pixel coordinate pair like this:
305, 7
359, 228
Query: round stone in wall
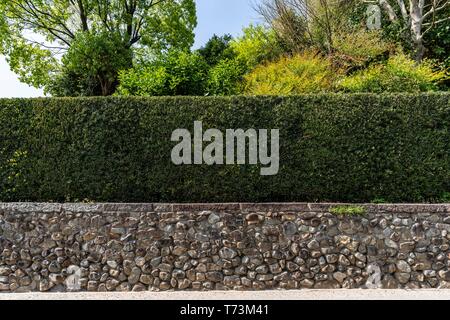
290, 228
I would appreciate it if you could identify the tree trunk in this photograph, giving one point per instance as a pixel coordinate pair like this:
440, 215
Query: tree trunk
416, 15
419, 50
105, 86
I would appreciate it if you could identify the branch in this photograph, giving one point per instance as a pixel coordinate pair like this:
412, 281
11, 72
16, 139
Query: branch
403, 10
55, 32
436, 22
27, 14
135, 29
83, 16
103, 14
390, 11
435, 9
44, 45
35, 11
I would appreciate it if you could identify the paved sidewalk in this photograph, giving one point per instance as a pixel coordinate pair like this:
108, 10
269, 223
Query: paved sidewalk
342, 294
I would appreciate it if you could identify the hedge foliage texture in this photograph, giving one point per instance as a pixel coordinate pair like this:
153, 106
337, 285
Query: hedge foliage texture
354, 148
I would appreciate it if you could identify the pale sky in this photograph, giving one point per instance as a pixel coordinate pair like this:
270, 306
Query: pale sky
214, 17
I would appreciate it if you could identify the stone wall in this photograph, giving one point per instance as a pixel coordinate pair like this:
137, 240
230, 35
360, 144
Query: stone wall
123, 247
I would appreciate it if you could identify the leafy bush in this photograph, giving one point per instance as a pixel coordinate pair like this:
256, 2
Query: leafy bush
357, 47
226, 78
177, 73
332, 148
226, 69
217, 68
303, 73
398, 74
256, 45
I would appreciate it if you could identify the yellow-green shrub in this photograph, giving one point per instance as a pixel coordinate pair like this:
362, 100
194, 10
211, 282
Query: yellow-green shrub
398, 74
256, 45
357, 47
302, 73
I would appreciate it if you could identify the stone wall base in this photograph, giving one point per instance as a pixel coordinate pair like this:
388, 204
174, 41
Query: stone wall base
137, 247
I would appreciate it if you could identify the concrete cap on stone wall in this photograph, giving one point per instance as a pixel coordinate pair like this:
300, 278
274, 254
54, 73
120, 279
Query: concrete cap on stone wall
31, 207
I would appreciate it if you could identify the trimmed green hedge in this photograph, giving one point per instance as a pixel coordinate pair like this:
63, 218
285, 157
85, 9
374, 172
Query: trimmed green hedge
332, 148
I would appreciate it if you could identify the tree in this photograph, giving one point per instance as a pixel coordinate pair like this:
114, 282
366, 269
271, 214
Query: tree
217, 49
301, 24
418, 19
91, 65
140, 26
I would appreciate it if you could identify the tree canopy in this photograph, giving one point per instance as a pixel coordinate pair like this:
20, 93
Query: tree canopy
37, 33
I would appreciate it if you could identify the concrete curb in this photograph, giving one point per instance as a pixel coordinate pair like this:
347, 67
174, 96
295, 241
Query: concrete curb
338, 294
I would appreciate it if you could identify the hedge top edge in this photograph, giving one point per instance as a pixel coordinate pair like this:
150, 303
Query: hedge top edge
309, 95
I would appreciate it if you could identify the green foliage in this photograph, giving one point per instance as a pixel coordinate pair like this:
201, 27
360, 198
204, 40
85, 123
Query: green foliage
217, 49
91, 66
33, 66
146, 81
348, 210
338, 148
445, 198
169, 25
358, 47
303, 73
12, 156
291, 29
438, 42
217, 68
398, 74
177, 73
256, 45
309, 24
231, 60
141, 27
378, 201
226, 69
226, 77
